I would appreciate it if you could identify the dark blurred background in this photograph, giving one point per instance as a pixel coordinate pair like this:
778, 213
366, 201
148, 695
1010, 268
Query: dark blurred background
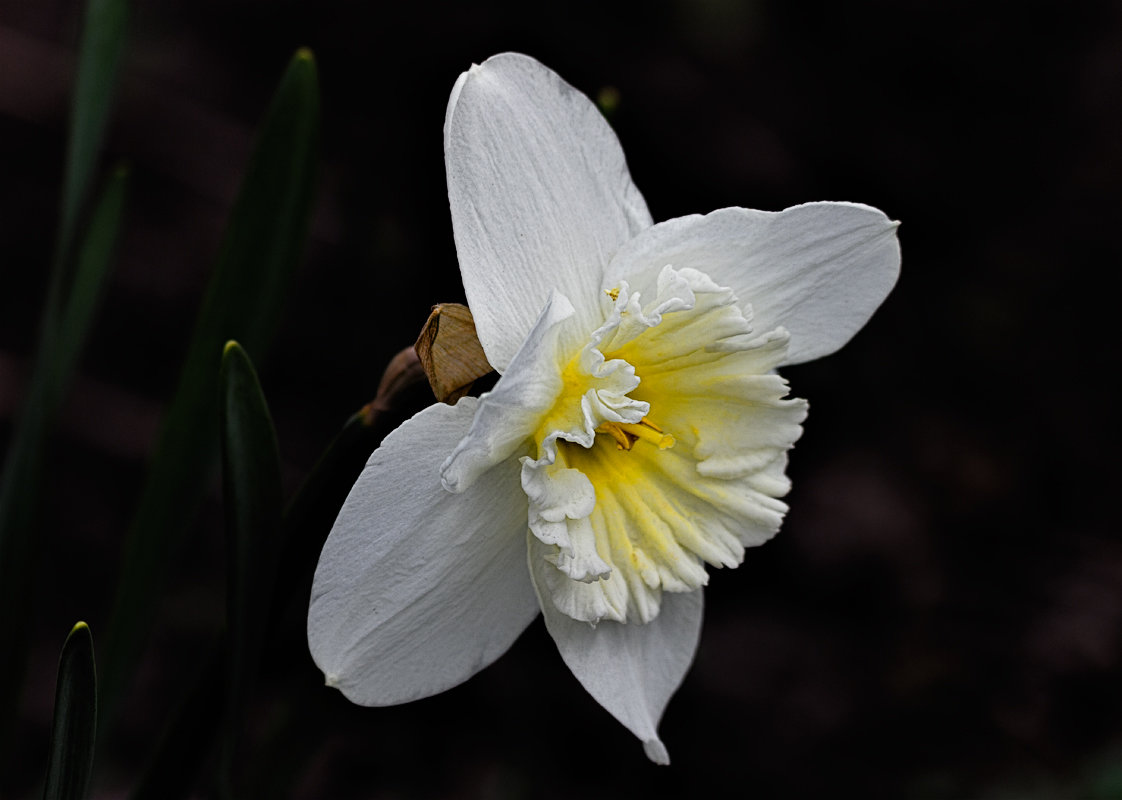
941, 616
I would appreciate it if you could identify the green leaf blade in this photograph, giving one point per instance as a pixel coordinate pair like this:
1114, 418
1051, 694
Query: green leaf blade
251, 481
91, 272
70, 759
264, 242
100, 53
21, 479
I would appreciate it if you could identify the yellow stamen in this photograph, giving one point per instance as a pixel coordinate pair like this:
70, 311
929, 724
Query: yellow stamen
612, 293
623, 441
627, 433
649, 433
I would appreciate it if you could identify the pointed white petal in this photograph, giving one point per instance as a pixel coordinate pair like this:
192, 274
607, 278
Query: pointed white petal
631, 670
417, 589
540, 194
819, 270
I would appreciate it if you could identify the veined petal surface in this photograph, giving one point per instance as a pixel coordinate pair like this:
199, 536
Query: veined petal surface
417, 589
631, 670
540, 193
819, 270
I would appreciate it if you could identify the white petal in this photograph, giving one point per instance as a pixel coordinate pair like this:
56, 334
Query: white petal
510, 412
417, 589
819, 270
540, 193
631, 670
590, 602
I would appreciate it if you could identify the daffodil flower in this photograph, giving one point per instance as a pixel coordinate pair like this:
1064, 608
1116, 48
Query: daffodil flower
638, 433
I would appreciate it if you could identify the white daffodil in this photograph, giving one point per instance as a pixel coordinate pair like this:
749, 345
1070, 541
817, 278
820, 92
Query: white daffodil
638, 432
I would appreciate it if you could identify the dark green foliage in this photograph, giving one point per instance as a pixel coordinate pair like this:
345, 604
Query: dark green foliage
264, 242
75, 722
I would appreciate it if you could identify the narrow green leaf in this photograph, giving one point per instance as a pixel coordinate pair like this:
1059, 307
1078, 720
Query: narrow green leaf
264, 241
251, 482
100, 50
70, 759
64, 322
99, 60
24, 463
90, 273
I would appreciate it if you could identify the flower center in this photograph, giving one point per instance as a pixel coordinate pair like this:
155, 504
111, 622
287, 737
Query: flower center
663, 450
